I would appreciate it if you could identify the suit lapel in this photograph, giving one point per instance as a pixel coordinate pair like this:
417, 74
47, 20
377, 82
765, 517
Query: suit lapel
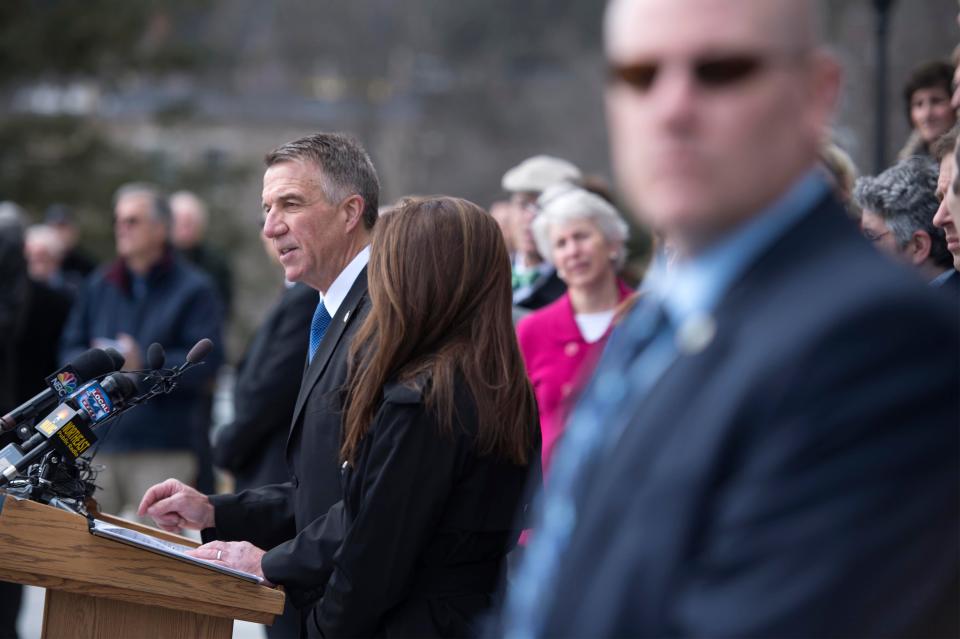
330, 342
657, 414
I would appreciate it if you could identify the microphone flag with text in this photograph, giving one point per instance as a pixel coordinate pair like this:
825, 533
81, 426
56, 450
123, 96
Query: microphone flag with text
91, 364
69, 428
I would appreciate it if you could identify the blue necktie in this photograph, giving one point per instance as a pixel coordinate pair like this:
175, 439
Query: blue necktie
318, 326
637, 354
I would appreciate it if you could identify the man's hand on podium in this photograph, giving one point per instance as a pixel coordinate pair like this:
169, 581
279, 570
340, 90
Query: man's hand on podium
241, 555
174, 505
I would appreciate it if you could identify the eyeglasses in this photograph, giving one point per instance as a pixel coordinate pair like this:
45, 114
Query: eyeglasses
874, 237
712, 73
526, 201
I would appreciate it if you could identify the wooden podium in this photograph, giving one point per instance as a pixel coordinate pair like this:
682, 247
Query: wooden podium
98, 587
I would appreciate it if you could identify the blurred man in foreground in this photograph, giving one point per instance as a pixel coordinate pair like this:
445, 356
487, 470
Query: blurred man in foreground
769, 445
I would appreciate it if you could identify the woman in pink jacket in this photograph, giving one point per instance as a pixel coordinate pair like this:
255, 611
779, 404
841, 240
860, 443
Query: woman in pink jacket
583, 236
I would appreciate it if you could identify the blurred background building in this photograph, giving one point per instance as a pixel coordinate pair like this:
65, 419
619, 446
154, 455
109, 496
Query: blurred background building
445, 95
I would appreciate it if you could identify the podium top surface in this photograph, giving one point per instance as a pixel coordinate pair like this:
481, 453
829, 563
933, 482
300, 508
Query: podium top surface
51, 548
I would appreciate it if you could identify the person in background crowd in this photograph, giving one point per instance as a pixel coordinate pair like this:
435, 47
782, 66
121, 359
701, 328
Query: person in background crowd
535, 282
147, 295
583, 237
76, 264
897, 217
946, 219
955, 59
926, 97
44, 252
842, 172
768, 446
32, 316
252, 447
502, 212
598, 185
190, 222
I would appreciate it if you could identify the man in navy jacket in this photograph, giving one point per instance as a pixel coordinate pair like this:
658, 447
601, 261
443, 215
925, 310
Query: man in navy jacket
768, 447
147, 295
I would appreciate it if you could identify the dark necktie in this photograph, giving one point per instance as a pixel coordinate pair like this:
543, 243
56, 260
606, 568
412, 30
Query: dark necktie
594, 426
318, 326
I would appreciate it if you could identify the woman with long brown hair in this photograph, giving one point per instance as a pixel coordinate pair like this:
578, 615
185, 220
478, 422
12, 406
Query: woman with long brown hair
440, 432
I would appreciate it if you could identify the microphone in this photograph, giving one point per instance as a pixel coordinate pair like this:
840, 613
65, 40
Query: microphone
116, 357
156, 357
155, 379
68, 428
197, 354
88, 365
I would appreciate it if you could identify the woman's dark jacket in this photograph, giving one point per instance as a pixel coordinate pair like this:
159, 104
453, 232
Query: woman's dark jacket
420, 539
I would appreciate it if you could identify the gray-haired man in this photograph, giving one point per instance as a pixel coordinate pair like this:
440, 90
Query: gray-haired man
148, 294
898, 208
320, 197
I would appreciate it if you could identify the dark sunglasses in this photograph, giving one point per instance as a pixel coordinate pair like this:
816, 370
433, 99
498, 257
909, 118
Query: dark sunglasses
718, 72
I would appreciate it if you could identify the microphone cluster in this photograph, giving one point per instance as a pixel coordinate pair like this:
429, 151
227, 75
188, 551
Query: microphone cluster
85, 393
157, 380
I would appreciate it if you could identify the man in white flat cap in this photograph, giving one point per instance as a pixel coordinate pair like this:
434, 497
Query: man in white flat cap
535, 282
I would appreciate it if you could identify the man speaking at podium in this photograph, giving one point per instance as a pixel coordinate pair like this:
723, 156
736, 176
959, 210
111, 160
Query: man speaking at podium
320, 196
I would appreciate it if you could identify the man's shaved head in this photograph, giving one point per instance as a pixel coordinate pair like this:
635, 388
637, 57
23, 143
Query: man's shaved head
796, 23
715, 108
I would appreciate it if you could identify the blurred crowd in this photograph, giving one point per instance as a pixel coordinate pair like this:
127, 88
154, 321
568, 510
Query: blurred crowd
576, 311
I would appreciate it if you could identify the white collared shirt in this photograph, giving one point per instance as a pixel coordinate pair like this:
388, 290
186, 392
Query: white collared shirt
341, 286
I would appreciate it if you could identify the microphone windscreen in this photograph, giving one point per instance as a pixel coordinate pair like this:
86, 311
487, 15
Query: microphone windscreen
116, 357
125, 385
200, 350
156, 357
92, 363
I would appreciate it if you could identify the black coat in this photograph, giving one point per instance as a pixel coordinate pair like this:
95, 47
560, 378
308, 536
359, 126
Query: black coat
417, 548
545, 290
285, 518
253, 446
798, 477
178, 308
28, 350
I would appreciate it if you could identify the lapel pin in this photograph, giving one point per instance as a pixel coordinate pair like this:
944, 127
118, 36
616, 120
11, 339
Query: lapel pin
346, 317
696, 333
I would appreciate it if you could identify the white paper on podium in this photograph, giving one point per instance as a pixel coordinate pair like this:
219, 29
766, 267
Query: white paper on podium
168, 548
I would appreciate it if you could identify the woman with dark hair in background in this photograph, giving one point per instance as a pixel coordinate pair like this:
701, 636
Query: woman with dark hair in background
926, 97
440, 433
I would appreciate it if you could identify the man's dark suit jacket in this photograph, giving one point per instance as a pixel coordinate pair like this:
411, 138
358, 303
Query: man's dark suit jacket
285, 518
951, 286
796, 478
545, 290
253, 446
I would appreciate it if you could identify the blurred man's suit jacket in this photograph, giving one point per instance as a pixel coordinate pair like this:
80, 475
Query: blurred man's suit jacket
252, 447
797, 477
